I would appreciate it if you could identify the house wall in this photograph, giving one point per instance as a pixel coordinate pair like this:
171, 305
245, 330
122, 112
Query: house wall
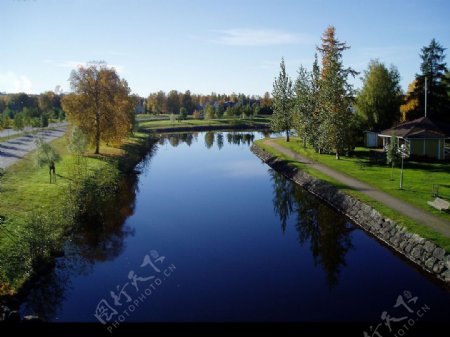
371, 139
433, 148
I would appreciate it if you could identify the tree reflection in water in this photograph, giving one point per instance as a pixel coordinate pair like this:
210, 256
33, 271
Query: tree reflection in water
89, 243
327, 232
220, 140
283, 197
240, 137
210, 137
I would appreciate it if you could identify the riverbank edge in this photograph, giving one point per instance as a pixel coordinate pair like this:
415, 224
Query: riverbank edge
425, 254
200, 128
126, 163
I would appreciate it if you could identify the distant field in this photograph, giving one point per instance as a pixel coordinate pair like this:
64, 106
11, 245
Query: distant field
155, 124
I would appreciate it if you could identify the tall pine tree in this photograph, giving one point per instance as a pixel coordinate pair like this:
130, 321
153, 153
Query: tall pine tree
433, 67
302, 105
283, 93
334, 96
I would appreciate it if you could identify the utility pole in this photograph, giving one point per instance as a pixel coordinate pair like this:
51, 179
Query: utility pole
426, 90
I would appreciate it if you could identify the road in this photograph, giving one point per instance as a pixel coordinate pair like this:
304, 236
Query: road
10, 132
15, 149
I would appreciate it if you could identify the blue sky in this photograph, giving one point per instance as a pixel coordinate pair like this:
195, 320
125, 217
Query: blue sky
206, 45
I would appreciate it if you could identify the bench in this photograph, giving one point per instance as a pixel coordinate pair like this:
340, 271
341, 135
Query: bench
439, 204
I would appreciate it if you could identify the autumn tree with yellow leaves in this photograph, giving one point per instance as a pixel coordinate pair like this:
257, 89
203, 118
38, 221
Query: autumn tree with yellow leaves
411, 103
100, 104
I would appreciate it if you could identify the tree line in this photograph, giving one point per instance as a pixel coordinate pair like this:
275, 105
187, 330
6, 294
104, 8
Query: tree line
318, 104
382, 104
434, 69
20, 110
329, 115
209, 106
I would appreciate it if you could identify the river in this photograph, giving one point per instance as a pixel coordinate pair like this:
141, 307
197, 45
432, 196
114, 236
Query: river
206, 232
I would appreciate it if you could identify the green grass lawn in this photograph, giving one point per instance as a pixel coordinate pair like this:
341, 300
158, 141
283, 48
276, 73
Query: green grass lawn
25, 188
152, 116
418, 178
353, 164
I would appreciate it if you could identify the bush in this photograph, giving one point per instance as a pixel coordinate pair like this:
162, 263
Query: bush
89, 196
42, 234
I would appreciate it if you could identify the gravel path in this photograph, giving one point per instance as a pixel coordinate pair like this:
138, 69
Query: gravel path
420, 216
15, 149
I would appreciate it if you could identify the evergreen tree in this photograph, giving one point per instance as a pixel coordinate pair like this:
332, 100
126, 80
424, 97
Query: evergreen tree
304, 106
433, 68
334, 96
282, 118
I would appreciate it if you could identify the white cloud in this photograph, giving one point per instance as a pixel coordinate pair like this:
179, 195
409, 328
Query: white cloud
12, 82
257, 37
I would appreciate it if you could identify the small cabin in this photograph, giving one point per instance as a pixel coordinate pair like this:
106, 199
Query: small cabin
426, 138
371, 139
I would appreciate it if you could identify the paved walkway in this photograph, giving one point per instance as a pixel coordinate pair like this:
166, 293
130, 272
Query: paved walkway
9, 132
15, 149
438, 224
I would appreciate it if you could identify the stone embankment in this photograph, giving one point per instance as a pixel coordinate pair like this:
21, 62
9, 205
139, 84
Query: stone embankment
422, 252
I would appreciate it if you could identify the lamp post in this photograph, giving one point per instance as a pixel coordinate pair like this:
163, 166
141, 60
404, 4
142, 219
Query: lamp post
404, 153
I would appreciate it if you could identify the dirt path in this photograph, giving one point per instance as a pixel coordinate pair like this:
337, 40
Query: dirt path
15, 149
420, 216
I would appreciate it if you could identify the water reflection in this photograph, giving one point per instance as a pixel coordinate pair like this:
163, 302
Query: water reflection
328, 234
283, 197
211, 137
220, 140
89, 243
238, 137
105, 241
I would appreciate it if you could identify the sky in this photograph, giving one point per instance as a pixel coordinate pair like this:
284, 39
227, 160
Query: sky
207, 45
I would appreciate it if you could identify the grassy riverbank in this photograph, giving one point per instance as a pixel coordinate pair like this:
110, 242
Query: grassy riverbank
349, 166
193, 123
418, 182
36, 215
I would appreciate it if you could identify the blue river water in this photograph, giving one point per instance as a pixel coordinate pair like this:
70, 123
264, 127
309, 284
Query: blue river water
208, 233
